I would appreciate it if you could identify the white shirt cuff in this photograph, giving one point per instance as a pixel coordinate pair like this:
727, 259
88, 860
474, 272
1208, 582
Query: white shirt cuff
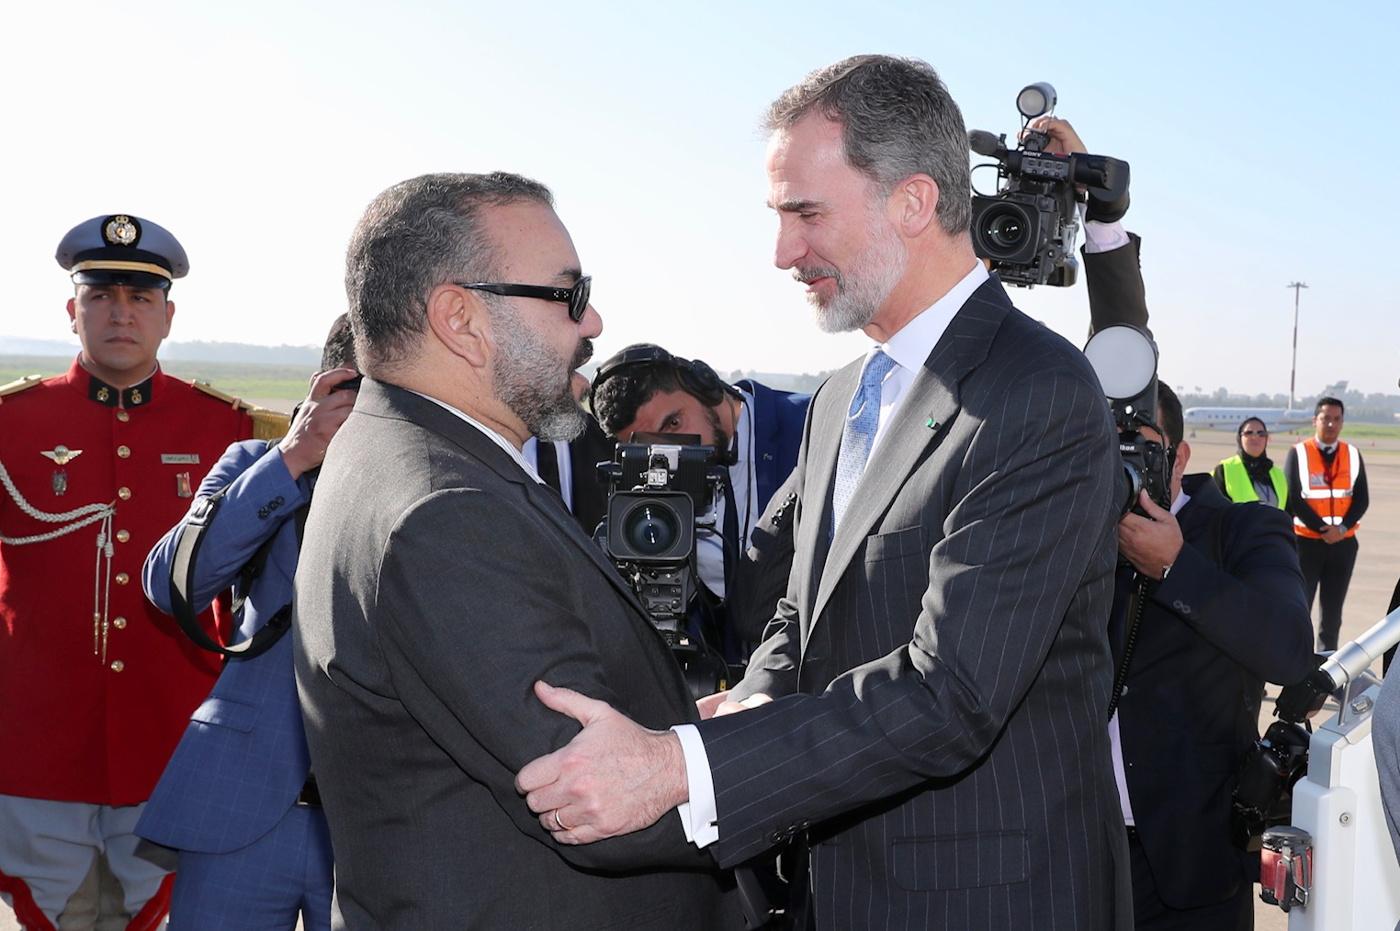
699, 817
1104, 237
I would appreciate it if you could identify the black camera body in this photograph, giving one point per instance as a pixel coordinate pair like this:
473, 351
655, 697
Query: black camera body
1265, 789
658, 484
1027, 229
1147, 464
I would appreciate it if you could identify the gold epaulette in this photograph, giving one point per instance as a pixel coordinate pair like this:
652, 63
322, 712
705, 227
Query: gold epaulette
216, 393
267, 423
20, 384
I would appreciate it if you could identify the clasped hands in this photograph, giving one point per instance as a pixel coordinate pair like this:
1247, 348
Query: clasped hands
615, 776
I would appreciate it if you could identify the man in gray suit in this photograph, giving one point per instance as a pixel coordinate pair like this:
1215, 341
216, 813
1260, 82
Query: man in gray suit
927, 713
440, 578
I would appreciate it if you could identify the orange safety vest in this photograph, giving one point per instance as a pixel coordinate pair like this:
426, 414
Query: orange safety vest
1327, 490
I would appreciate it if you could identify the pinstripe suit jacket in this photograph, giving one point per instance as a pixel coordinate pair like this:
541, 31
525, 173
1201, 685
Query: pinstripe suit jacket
945, 655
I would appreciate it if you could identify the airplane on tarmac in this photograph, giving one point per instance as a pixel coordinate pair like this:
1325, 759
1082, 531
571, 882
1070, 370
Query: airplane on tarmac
1234, 416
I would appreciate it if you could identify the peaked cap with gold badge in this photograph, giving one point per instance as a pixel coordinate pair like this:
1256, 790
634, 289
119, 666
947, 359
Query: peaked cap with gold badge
122, 248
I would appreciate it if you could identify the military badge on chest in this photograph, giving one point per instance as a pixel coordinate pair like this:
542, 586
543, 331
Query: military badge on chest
61, 456
183, 486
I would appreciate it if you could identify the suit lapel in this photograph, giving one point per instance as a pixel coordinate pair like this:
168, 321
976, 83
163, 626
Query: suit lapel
381, 399
923, 415
551, 506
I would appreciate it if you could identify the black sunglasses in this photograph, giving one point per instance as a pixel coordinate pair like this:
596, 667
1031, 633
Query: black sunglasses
576, 297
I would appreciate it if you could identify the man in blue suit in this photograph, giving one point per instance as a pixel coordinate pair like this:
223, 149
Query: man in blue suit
237, 801
757, 431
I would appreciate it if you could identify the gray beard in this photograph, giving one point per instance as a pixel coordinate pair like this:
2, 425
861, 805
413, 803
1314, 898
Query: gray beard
859, 297
532, 382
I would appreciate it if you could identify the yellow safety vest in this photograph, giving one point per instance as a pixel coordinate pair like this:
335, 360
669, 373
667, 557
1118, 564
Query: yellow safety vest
1241, 489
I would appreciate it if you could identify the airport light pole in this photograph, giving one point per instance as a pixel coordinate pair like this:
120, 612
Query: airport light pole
1297, 287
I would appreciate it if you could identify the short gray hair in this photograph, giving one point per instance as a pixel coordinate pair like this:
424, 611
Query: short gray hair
413, 237
897, 119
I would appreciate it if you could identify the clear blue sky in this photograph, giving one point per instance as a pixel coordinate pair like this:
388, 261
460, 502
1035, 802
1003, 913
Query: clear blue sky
1260, 138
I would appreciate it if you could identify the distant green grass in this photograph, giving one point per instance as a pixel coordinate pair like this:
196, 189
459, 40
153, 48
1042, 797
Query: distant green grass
245, 380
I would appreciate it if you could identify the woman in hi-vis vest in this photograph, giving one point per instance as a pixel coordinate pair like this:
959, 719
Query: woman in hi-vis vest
1250, 475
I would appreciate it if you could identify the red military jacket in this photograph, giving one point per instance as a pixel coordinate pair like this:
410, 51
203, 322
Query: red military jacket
96, 685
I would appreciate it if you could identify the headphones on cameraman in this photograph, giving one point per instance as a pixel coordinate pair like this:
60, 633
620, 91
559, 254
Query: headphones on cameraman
695, 377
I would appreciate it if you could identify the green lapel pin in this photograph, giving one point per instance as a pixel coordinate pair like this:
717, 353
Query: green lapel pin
931, 424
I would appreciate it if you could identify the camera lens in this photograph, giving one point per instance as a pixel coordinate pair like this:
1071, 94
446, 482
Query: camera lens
1006, 231
651, 529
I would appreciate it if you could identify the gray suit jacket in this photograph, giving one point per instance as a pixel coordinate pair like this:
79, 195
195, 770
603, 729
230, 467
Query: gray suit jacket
1385, 725
437, 582
945, 654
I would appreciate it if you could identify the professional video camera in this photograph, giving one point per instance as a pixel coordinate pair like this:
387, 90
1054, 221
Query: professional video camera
659, 487
1027, 229
1125, 359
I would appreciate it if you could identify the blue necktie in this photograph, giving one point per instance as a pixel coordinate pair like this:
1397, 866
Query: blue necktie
859, 433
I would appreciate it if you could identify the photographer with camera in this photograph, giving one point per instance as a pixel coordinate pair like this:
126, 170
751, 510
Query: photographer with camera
754, 429
1208, 604
236, 801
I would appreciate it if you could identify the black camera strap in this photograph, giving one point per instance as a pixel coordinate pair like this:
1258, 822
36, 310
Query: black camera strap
1120, 678
189, 540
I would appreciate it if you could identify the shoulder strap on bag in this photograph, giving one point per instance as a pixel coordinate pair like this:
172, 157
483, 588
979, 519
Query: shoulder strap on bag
189, 539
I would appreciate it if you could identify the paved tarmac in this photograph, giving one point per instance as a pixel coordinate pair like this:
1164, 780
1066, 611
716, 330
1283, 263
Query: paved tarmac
1377, 567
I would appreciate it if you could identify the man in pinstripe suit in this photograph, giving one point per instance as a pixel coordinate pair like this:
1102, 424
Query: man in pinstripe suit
926, 714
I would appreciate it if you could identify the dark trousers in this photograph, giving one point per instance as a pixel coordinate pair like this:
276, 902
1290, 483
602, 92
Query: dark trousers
1150, 913
1327, 566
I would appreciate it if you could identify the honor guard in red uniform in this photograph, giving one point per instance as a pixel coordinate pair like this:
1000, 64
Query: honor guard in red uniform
96, 685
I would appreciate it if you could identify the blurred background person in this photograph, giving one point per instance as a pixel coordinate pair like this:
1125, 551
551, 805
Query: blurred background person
237, 800
95, 689
1327, 496
1207, 606
756, 431
1250, 475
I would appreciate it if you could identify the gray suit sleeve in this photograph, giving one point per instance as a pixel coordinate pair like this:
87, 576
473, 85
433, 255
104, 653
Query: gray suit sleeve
473, 617
1032, 507
1386, 724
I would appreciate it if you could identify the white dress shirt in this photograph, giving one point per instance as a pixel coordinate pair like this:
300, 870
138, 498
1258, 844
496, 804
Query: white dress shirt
492, 435
530, 452
910, 348
1100, 236
1120, 775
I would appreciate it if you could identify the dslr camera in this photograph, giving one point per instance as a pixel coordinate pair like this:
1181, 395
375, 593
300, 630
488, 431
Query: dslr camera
1027, 229
659, 488
1125, 359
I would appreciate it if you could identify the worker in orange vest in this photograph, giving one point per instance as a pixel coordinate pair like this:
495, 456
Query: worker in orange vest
1327, 497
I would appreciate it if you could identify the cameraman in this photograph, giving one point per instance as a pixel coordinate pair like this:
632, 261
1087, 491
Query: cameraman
1217, 596
236, 800
756, 431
